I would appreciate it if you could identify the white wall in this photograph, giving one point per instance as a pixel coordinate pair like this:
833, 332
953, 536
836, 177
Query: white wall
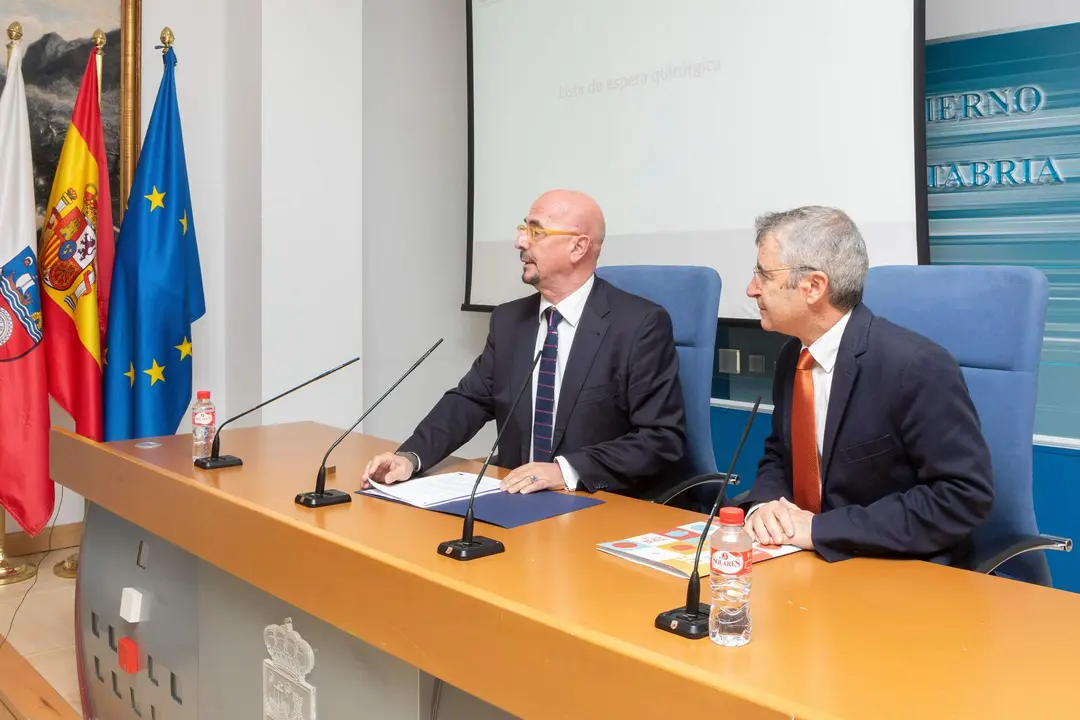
952, 18
242, 239
415, 185
311, 208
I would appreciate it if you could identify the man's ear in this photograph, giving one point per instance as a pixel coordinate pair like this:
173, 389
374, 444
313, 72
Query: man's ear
579, 247
817, 287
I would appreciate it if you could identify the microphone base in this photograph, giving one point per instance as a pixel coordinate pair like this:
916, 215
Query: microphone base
216, 463
327, 497
479, 547
684, 624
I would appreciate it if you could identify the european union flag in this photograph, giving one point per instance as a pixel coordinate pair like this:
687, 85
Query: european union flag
157, 290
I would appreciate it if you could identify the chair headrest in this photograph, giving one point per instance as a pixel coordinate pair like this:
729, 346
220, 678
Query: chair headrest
987, 316
690, 294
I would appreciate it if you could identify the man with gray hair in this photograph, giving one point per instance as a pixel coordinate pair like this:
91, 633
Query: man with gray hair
876, 447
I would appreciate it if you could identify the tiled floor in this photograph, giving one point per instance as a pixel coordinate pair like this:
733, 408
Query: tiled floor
44, 629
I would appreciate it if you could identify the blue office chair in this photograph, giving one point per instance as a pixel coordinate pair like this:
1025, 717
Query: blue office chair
691, 295
991, 319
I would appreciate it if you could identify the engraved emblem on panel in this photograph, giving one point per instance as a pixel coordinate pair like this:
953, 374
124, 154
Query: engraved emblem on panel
286, 693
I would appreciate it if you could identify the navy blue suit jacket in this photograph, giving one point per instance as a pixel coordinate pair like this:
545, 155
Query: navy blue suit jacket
620, 421
905, 469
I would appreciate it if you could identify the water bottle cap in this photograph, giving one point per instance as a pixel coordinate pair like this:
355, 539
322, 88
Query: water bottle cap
203, 395
731, 516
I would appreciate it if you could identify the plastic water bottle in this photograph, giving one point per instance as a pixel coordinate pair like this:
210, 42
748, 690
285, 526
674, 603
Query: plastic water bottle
730, 556
203, 424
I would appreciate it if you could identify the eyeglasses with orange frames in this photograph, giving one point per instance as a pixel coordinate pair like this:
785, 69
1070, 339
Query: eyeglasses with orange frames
536, 234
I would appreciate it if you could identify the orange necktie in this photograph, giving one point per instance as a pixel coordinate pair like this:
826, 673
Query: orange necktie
804, 454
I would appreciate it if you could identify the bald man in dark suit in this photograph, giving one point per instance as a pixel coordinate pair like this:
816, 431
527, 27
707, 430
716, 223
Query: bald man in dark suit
606, 409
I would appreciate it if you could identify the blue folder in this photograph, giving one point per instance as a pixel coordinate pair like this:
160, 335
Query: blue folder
511, 510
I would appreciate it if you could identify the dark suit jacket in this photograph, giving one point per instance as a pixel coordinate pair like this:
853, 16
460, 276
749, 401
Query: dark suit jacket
905, 469
620, 421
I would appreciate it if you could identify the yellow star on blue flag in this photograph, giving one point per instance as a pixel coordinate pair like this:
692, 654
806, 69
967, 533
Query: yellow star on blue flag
157, 290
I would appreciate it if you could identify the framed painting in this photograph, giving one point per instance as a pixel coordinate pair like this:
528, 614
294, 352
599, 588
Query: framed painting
57, 37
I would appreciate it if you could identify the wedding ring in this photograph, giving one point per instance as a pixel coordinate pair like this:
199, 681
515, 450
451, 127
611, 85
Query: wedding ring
532, 478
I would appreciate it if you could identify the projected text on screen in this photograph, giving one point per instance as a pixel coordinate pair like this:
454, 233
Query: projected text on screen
687, 119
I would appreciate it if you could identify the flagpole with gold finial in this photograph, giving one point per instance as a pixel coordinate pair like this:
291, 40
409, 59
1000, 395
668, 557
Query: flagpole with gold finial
167, 39
12, 572
69, 566
98, 38
14, 33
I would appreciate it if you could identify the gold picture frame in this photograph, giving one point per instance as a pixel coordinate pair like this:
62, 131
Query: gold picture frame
130, 95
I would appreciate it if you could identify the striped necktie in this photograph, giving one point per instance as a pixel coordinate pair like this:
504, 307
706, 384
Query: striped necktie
544, 412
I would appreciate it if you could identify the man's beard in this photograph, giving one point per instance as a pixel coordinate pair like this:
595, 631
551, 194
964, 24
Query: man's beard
526, 278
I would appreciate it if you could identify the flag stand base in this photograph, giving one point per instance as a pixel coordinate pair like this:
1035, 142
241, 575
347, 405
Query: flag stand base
68, 567
14, 572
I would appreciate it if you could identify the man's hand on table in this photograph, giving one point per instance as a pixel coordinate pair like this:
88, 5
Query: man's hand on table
534, 477
386, 468
781, 522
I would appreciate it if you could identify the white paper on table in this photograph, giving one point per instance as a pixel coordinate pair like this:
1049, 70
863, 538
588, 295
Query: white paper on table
426, 491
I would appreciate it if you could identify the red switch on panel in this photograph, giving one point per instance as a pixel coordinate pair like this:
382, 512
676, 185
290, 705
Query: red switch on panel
128, 654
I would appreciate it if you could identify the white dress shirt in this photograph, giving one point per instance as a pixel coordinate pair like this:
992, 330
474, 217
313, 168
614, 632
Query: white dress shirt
824, 351
571, 308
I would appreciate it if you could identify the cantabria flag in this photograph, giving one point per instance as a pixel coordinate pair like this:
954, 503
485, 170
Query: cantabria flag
25, 489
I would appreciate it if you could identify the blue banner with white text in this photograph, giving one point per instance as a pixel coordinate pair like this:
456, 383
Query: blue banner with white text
1003, 177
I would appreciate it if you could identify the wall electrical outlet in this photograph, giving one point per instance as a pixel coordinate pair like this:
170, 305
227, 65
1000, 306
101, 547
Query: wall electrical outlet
728, 361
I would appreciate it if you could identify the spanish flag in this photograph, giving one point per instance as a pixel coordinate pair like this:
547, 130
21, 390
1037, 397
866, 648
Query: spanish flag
76, 257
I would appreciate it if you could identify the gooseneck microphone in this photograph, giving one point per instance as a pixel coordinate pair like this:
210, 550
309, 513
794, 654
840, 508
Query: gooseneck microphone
321, 496
216, 461
692, 620
469, 547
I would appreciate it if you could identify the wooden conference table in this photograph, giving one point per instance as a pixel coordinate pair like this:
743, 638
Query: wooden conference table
552, 628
